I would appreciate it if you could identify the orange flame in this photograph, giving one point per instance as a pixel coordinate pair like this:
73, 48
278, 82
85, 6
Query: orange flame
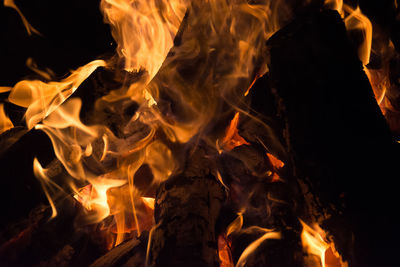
41, 98
232, 138
315, 243
144, 31
357, 20
5, 122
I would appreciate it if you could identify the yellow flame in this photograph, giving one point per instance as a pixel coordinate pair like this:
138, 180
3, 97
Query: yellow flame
41, 98
46, 183
144, 30
149, 201
315, 242
5, 122
174, 104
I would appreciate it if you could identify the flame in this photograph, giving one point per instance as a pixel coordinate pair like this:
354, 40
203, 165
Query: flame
224, 252
269, 234
5, 122
315, 243
46, 184
41, 98
180, 92
357, 20
335, 5
144, 30
29, 28
232, 138
149, 202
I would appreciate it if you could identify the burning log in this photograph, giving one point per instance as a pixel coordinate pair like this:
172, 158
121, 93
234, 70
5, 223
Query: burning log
339, 142
186, 211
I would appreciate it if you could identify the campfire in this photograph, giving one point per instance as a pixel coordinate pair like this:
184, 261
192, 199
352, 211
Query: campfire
201, 133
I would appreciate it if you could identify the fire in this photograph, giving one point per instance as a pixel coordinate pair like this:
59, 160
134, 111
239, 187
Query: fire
5, 122
354, 19
40, 99
144, 30
232, 138
29, 28
179, 95
314, 241
357, 20
268, 234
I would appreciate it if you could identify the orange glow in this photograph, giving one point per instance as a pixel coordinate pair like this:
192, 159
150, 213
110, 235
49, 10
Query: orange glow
335, 5
103, 167
277, 163
149, 202
144, 30
232, 138
357, 20
314, 241
224, 252
5, 122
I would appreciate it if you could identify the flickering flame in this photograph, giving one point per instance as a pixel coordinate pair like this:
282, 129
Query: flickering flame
232, 138
144, 30
29, 28
40, 99
5, 122
179, 91
315, 243
46, 184
269, 234
149, 202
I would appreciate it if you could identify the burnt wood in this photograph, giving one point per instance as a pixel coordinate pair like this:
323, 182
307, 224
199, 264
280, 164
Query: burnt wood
339, 142
186, 211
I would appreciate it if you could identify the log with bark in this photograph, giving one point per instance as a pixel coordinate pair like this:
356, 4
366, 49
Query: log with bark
186, 212
339, 142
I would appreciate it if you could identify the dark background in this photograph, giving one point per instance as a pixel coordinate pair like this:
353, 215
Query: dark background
72, 34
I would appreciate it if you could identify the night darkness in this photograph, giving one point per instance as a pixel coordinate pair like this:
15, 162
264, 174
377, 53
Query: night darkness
72, 34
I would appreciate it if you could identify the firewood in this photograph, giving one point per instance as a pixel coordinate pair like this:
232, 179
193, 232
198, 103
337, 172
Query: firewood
339, 142
133, 250
187, 207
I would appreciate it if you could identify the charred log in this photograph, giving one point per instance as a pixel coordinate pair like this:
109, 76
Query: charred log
340, 144
186, 211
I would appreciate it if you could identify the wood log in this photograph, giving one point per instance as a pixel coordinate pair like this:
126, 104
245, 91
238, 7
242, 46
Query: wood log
186, 211
339, 142
129, 253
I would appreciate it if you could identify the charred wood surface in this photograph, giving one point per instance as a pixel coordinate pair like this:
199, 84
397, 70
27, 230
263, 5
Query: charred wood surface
340, 144
186, 211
